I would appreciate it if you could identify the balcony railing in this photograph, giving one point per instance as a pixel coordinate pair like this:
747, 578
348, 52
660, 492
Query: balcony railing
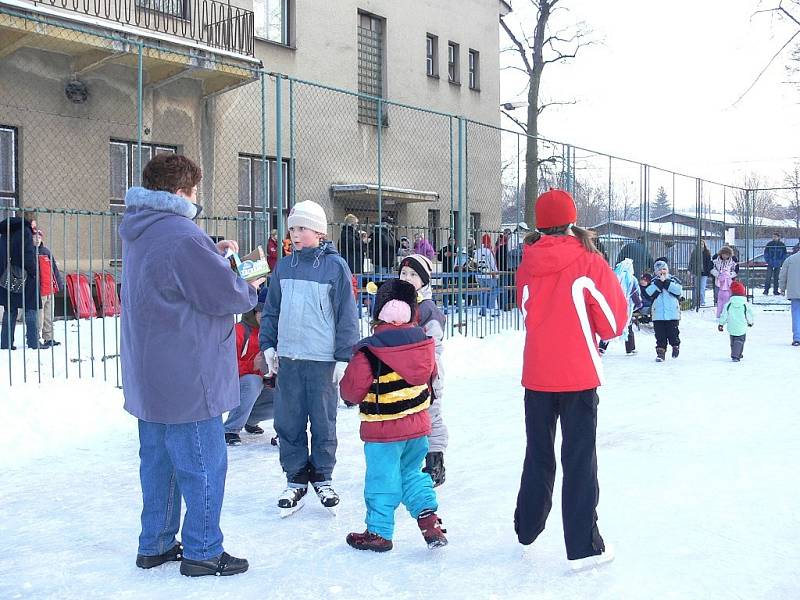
215, 24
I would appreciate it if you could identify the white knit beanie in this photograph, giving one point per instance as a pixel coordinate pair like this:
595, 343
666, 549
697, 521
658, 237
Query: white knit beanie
310, 215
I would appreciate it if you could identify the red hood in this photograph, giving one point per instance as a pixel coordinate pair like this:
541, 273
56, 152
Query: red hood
552, 253
413, 362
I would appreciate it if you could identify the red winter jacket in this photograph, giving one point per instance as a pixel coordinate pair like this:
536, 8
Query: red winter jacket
408, 352
246, 356
571, 299
47, 280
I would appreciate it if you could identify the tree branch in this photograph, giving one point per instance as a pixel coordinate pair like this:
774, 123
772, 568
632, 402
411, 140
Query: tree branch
764, 70
516, 121
516, 42
556, 103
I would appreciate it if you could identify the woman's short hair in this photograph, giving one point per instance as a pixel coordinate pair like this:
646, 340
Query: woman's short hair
170, 173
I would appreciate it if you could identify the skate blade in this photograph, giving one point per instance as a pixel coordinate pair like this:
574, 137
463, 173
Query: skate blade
288, 512
433, 544
333, 510
592, 562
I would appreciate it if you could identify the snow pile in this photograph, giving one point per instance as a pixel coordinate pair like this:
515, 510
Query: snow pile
698, 460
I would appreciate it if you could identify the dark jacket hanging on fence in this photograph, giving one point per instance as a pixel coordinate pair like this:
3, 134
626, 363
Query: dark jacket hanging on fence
16, 235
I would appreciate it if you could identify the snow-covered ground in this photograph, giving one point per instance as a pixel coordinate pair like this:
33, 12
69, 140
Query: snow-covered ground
698, 474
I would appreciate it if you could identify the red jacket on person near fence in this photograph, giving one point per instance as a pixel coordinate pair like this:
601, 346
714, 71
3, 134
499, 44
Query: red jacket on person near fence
569, 297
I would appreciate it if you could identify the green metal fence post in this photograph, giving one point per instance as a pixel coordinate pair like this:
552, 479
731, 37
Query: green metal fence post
292, 182
379, 127
264, 162
460, 224
279, 146
139, 115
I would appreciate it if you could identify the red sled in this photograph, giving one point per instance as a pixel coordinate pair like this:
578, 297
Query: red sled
107, 294
80, 295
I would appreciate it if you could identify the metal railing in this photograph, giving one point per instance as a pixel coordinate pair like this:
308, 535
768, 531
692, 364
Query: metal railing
216, 24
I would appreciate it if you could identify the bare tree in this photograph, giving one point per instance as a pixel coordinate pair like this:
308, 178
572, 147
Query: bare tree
761, 203
792, 179
787, 11
536, 49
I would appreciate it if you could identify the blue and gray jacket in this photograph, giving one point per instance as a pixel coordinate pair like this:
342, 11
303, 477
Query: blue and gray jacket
310, 312
665, 296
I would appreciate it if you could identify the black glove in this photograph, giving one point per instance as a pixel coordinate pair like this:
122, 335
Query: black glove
749, 324
720, 328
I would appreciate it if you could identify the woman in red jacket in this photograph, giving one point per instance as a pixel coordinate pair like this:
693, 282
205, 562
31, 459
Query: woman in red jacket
570, 299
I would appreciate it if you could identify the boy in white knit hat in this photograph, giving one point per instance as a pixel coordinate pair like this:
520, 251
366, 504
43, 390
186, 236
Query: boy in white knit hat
308, 324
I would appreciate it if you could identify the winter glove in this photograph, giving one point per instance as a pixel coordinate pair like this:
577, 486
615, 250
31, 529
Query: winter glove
720, 328
338, 372
271, 359
749, 324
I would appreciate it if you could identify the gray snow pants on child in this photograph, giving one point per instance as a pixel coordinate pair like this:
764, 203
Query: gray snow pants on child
306, 392
737, 345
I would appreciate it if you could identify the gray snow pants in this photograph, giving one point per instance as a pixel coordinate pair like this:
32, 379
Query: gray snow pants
306, 393
439, 436
737, 345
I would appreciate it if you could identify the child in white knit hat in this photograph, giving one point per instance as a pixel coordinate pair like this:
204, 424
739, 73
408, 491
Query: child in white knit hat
308, 324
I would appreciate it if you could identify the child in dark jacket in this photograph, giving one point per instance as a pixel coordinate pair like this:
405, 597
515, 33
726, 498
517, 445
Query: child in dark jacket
390, 376
416, 270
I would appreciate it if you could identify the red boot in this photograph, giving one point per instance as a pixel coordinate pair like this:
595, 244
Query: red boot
369, 541
431, 527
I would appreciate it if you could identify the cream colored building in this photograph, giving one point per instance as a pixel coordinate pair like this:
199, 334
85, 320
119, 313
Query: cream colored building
69, 104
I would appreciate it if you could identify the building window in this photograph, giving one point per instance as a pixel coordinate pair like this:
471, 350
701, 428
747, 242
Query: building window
452, 63
432, 55
474, 70
433, 227
171, 8
123, 158
370, 67
475, 226
258, 199
9, 174
273, 20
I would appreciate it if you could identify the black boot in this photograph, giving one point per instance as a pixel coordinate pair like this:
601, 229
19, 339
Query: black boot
148, 562
675, 351
434, 466
221, 566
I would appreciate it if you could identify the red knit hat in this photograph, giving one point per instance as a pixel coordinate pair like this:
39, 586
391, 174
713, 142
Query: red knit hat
738, 289
555, 208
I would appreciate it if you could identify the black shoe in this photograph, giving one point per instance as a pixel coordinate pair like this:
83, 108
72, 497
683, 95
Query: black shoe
232, 439
254, 429
434, 466
221, 566
794, 343
7, 348
675, 351
148, 562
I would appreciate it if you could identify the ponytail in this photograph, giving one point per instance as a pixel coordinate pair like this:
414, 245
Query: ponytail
585, 236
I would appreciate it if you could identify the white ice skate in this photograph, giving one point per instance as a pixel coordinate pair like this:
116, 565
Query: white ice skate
291, 500
592, 562
327, 497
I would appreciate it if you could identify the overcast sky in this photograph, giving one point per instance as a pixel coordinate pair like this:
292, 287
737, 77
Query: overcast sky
661, 88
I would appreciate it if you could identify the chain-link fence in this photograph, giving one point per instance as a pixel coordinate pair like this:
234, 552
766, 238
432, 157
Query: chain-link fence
83, 108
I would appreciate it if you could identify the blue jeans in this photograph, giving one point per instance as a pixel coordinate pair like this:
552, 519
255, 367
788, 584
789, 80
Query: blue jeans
488, 298
306, 393
703, 285
250, 387
31, 327
394, 475
796, 319
264, 407
188, 460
